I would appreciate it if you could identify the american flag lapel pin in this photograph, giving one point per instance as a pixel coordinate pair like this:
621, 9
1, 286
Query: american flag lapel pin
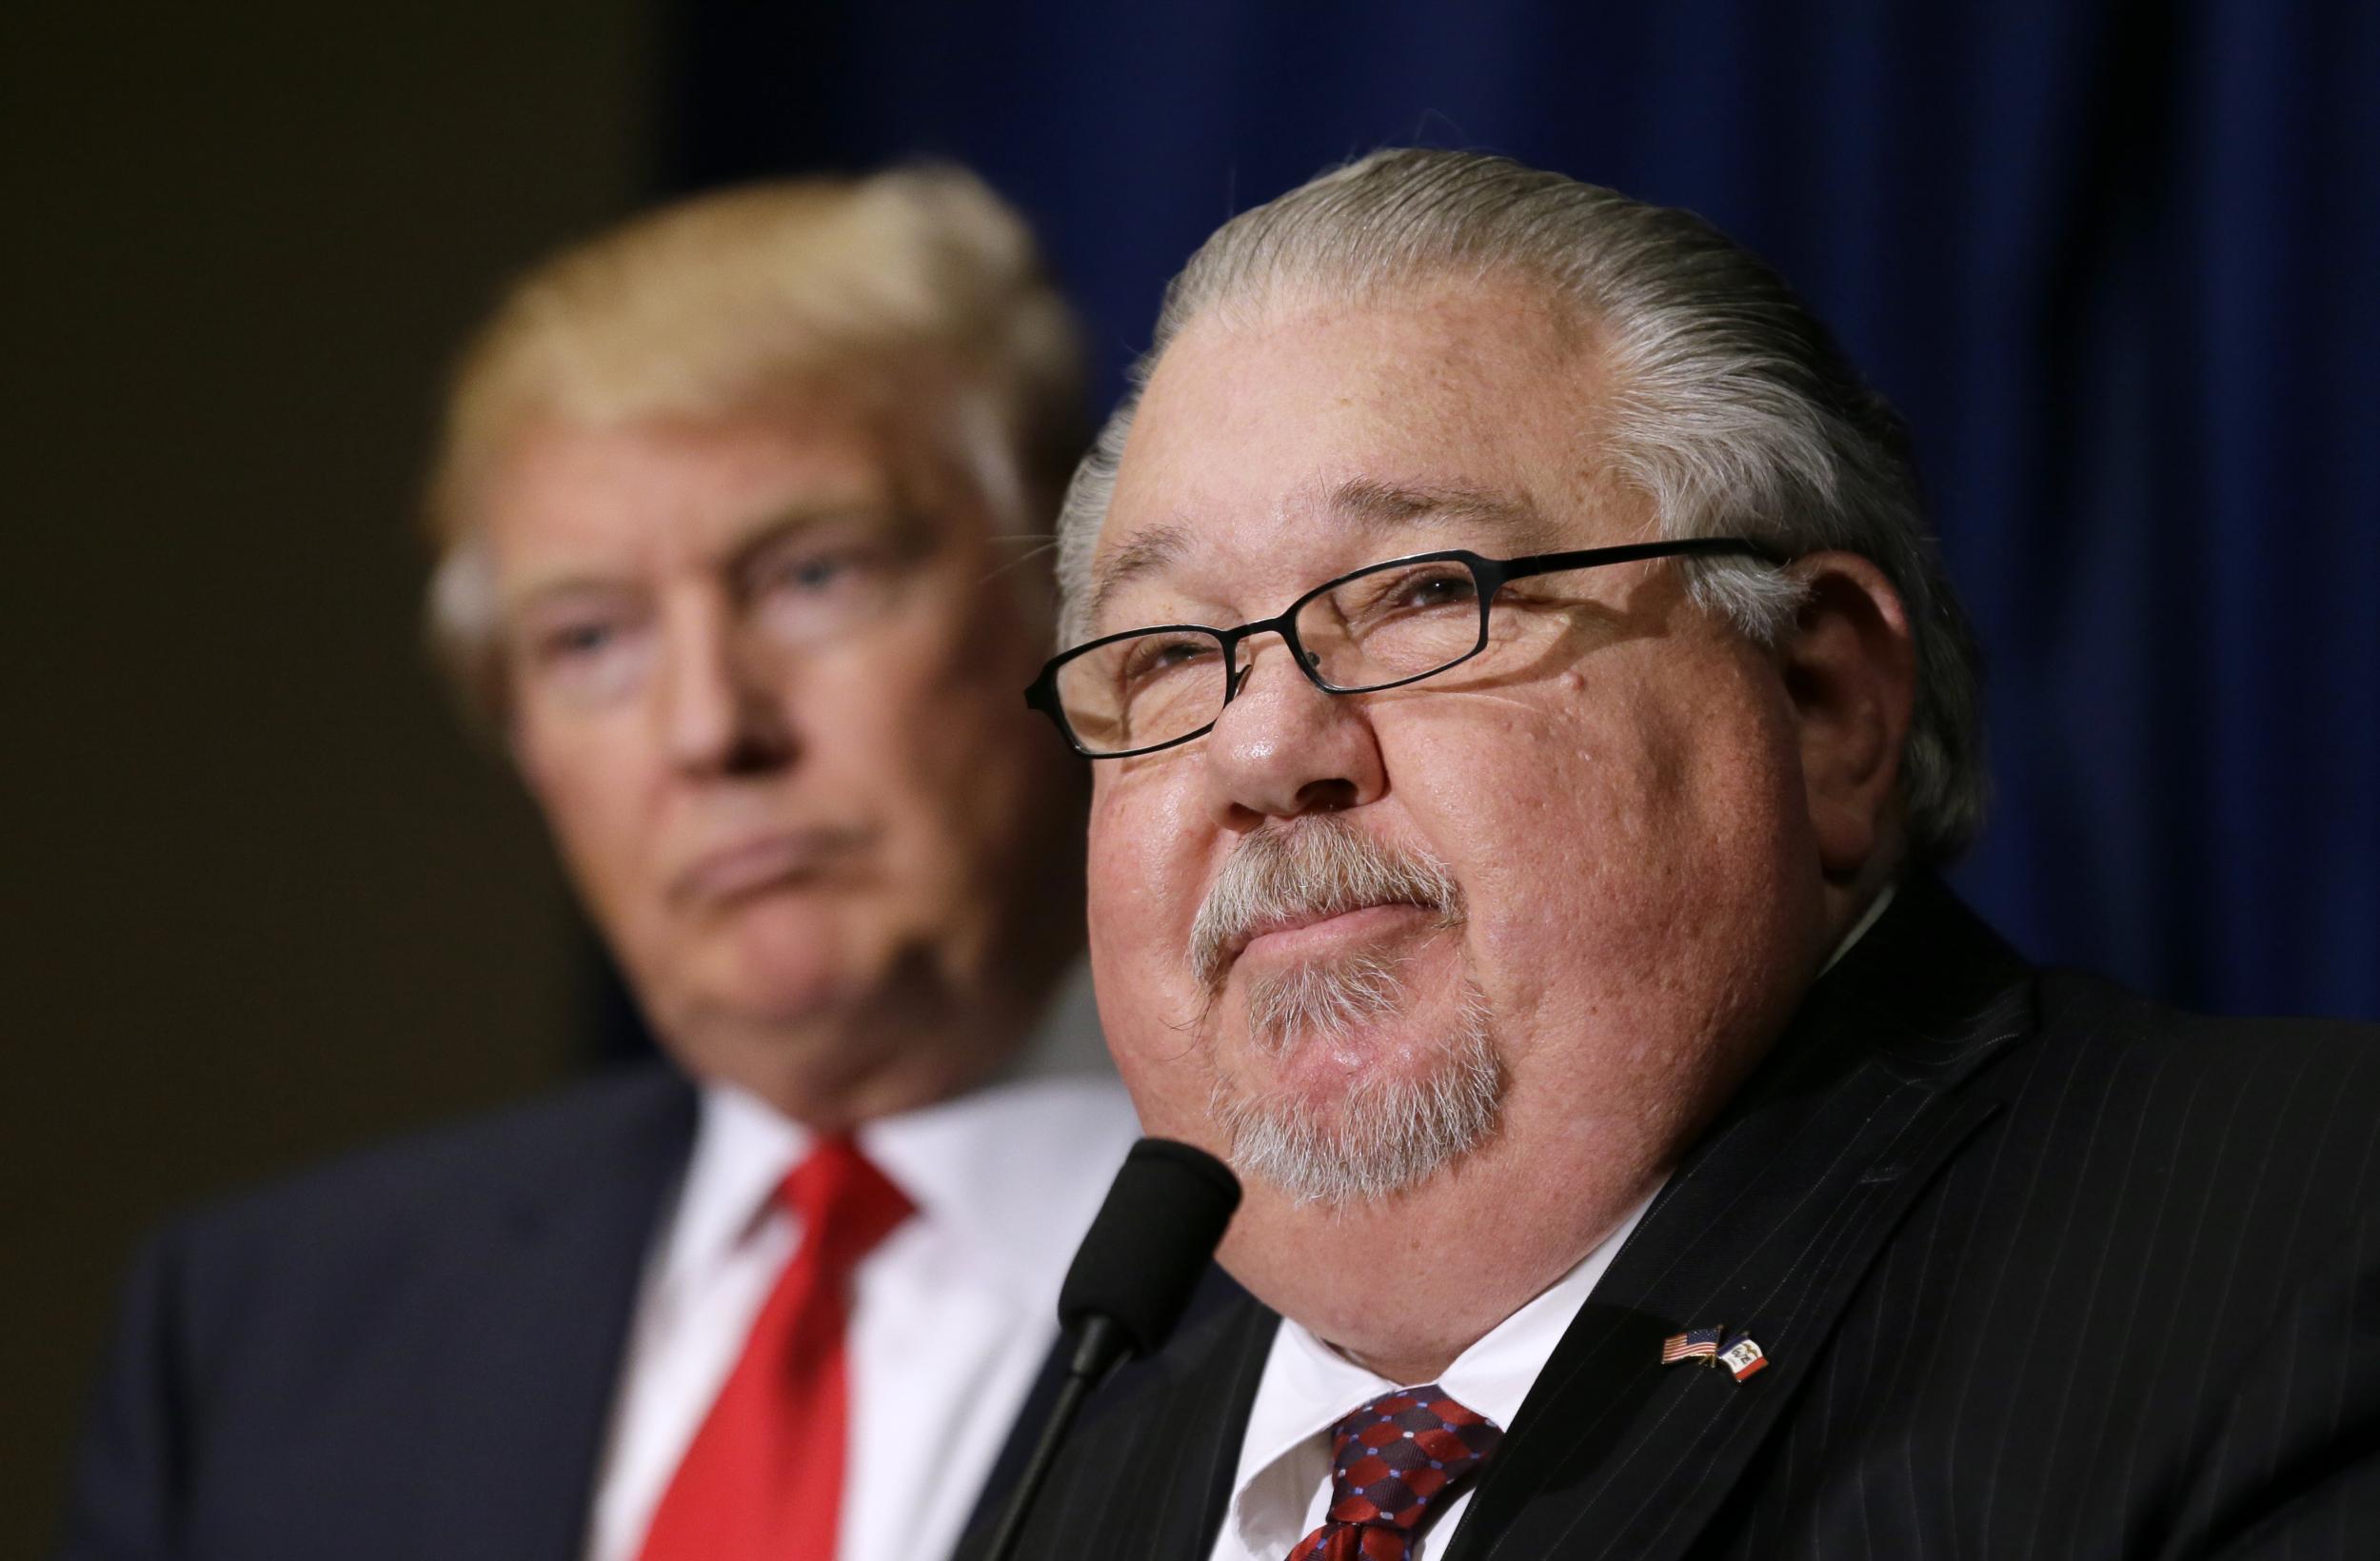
1741, 1356
1694, 1344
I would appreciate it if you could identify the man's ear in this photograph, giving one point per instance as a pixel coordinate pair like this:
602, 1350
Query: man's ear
1851, 672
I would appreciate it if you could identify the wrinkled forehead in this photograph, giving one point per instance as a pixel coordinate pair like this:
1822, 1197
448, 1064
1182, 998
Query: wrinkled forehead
1274, 449
1325, 528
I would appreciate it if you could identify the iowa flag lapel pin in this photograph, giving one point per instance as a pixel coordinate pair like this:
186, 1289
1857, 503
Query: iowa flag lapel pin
1742, 1357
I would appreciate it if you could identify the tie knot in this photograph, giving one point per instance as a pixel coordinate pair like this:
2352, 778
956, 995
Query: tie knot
1395, 1459
844, 1203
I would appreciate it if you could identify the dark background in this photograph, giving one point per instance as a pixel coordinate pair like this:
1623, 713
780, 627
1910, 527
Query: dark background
2114, 261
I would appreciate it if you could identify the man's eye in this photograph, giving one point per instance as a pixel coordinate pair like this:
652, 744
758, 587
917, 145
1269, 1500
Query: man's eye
816, 593
1376, 600
577, 641
1454, 589
1154, 657
815, 574
586, 661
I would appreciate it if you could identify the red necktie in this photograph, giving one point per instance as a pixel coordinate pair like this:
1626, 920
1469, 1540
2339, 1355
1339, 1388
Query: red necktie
1395, 1462
764, 1477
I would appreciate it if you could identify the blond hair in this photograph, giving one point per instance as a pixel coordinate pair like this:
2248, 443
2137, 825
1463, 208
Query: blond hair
715, 305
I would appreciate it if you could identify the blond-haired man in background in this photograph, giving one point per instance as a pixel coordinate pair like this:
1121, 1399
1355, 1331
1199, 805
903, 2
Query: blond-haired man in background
733, 517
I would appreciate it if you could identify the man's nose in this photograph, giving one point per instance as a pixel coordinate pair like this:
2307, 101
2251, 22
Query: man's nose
1283, 747
721, 709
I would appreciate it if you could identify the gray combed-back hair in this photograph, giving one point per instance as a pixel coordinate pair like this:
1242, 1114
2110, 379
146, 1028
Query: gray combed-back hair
1730, 405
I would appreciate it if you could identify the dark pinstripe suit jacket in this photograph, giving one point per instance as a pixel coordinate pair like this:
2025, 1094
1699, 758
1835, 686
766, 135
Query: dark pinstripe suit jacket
2042, 1268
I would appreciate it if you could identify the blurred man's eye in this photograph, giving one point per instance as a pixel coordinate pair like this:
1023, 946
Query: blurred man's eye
580, 640
586, 661
811, 573
816, 593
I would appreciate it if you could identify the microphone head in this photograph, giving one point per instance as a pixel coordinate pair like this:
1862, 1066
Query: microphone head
1153, 1238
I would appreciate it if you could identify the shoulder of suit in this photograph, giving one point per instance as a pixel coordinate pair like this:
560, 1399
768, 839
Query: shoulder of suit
2126, 1029
2266, 1126
421, 1179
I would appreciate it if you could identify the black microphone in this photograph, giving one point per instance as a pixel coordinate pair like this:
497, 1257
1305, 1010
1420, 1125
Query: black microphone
1131, 1278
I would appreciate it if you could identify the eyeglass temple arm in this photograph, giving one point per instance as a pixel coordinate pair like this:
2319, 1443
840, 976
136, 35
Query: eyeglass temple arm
1541, 564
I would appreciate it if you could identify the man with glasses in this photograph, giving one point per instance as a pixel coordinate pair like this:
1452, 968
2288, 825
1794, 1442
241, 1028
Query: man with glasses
1528, 715
734, 515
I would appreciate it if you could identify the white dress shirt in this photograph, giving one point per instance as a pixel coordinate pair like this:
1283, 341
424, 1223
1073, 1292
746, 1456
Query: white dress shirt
952, 1315
1283, 1490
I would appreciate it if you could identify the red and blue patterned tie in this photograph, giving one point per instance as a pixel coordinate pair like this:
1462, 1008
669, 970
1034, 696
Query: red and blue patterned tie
1394, 1462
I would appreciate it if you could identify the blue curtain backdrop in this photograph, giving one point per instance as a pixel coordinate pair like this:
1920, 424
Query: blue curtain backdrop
2115, 262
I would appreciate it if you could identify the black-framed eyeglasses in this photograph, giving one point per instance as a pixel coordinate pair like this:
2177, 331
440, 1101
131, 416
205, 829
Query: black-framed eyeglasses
1383, 627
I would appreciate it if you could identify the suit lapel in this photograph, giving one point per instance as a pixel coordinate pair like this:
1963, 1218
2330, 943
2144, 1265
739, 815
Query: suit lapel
1212, 1405
1768, 1228
1174, 1486
543, 1316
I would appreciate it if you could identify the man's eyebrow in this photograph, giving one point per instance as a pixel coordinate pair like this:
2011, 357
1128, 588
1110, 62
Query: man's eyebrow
904, 529
1150, 549
1364, 499
547, 594
1369, 499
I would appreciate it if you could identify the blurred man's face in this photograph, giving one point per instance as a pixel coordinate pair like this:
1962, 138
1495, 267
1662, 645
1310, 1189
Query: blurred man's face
763, 679
1585, 886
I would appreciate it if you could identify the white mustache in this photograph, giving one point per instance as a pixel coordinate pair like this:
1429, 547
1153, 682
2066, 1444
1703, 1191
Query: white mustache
1285, 875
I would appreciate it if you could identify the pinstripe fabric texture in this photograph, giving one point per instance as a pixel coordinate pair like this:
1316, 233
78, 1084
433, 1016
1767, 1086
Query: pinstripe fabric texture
2042, 1269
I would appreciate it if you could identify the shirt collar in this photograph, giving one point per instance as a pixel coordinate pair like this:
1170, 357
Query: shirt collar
1308, 1387
997, 1171
1012, 1172
742, 1150
1859, 928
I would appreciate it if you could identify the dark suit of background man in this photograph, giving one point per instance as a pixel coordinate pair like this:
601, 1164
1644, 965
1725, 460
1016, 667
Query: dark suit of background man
1553, 947
729, 518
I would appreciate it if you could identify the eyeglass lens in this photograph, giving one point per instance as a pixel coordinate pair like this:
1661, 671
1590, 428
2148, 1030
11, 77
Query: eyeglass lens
1385, 626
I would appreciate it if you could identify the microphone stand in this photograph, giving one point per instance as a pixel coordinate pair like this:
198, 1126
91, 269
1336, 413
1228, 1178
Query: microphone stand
1131, 1277
1096, 1353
